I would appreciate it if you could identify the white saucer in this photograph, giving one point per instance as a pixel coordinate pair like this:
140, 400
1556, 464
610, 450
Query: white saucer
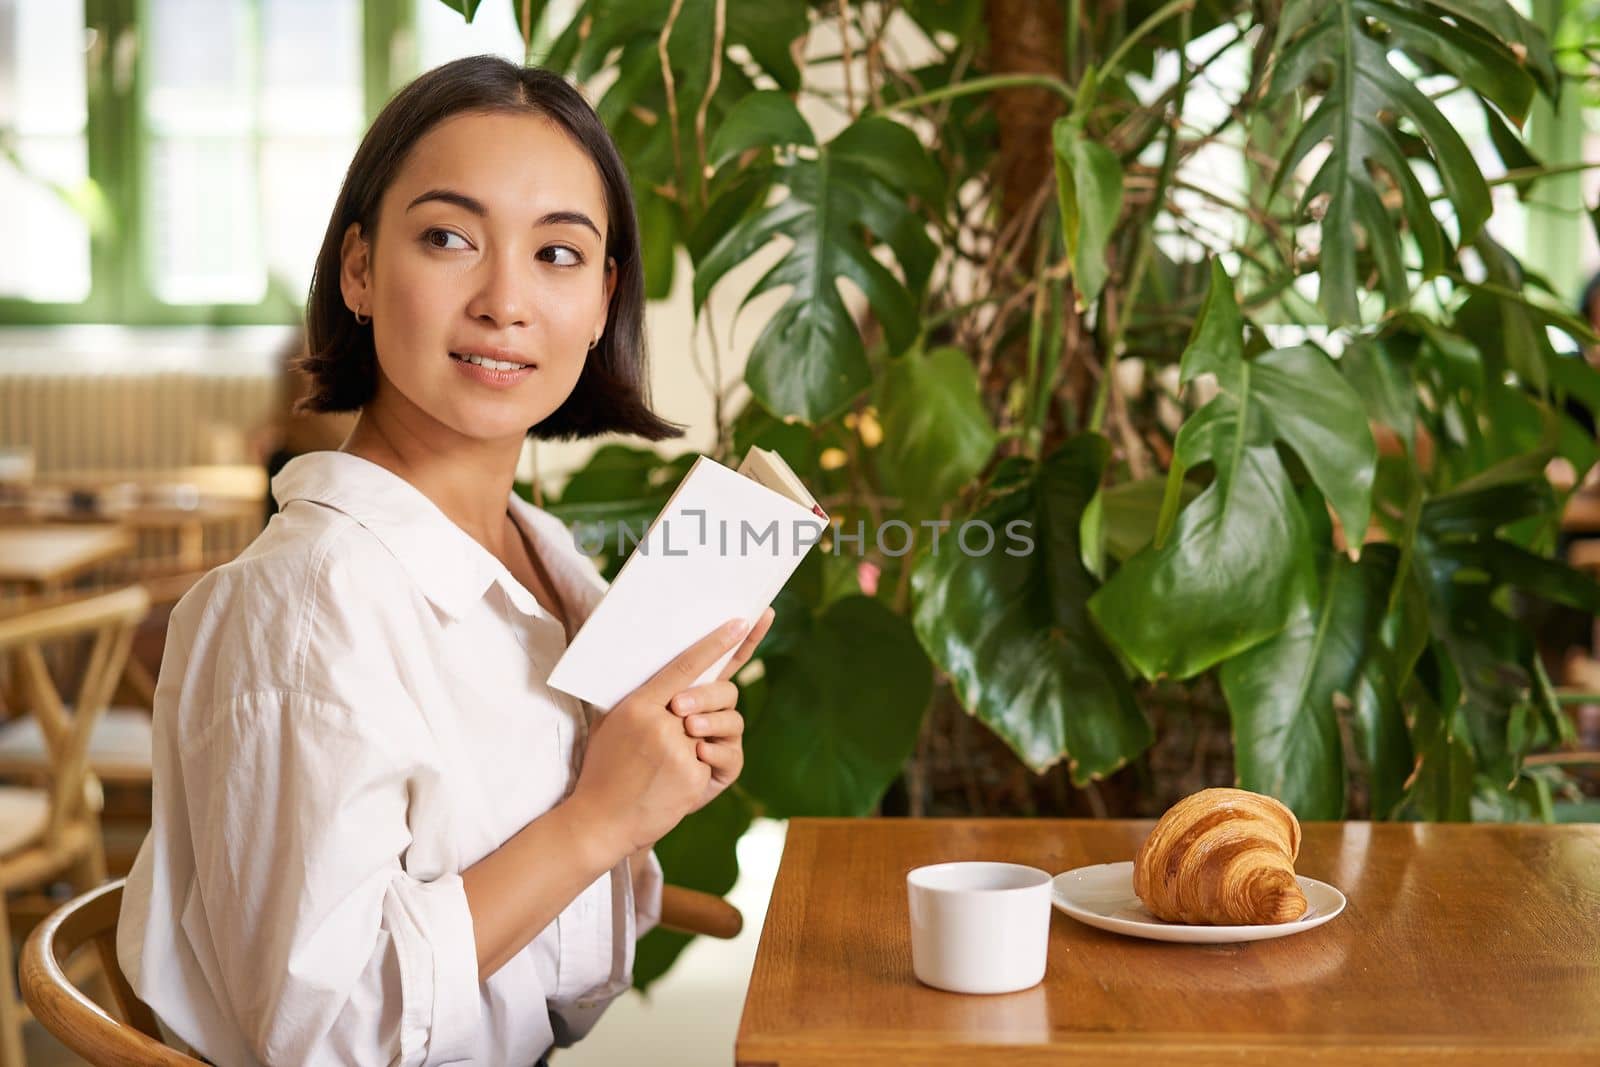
1103, 896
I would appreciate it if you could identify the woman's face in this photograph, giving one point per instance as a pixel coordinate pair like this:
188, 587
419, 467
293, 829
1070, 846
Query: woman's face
487, 280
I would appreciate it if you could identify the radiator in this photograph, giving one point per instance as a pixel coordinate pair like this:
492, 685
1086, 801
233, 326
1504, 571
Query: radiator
139, 421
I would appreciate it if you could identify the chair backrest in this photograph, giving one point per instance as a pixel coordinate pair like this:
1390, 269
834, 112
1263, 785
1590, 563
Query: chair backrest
109, 619
64, 1010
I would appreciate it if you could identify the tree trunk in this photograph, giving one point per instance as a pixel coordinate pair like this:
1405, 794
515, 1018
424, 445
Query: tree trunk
1025, 37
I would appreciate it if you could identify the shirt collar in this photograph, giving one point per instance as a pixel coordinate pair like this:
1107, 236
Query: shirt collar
451, 569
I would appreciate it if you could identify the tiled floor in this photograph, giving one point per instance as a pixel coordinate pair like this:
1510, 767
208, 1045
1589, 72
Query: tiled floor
691, 1015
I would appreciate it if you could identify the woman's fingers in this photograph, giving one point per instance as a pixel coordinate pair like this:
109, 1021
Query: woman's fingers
748, 648
690, 664
716, 724
725, 758
713, 696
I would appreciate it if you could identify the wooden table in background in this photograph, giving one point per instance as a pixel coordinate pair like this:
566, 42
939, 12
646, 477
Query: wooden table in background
42, 558
1475, 944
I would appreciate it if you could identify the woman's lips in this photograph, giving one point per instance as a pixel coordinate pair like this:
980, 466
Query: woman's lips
497, 379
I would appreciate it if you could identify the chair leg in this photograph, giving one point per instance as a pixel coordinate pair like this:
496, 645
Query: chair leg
11, 1012
90, 870
86, 874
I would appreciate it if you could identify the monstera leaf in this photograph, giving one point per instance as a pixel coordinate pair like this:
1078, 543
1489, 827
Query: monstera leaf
1011, 628
838, 709
1464, 563
809, 361
611, 501
1345, 45
1233, 570
663, 155
1281, 694
936, 435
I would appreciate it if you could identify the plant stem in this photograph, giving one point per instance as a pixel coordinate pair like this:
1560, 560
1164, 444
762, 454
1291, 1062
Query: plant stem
984, 85
719, 34
672, 92
1141, 257
1156, 18
1074, 16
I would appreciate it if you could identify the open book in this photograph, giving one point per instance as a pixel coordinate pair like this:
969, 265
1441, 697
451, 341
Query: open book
722, 548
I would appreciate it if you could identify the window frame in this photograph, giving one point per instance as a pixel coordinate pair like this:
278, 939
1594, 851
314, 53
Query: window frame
118, 158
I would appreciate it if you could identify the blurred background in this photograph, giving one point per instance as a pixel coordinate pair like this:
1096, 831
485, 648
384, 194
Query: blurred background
1016, 216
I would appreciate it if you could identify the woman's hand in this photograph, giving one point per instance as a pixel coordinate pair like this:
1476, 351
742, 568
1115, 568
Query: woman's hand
710, 716
642, 771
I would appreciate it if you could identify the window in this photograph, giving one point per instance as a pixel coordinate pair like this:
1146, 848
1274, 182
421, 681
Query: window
44, 151
174, 161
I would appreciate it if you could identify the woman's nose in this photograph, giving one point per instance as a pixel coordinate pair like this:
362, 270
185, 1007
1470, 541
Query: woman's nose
504, 298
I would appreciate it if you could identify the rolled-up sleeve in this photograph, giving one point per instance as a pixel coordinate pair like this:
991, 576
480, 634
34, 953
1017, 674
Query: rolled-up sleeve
327, 949
647, 882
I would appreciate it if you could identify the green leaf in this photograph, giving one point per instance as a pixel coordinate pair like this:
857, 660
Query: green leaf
698, 853
1442, 782
467, 8
1501, 309
1293, 395
1329, 51
1223, 583
1489, 656
1130, 512
959, 18
770, 31
658, 241
624, 36
1378, 721
1225, 577
1500, 21
1281, 696
840, 715
1509, 147
936, 434
1315, 412
809, 361
761, 120
1011, 627
612, 499
735, 198
1380, 372
1089, 194
1214, 347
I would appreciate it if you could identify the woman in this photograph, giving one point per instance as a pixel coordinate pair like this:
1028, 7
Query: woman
378, 836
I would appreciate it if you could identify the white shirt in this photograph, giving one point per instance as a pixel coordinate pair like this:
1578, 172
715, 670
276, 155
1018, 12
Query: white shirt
349, 715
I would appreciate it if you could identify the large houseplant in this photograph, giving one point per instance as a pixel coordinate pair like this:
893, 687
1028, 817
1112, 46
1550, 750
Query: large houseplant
1282, 449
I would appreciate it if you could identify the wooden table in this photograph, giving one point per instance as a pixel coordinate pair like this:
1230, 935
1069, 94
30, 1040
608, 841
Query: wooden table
42, 558
1460, 944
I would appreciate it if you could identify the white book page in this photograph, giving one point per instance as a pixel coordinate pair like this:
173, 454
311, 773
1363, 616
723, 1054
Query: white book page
722, 548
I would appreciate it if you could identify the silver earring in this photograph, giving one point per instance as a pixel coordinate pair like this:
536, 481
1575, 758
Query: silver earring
362, 318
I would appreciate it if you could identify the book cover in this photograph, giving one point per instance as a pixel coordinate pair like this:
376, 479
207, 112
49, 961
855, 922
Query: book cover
722, 548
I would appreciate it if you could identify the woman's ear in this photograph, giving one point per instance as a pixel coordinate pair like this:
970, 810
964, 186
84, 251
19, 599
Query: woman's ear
355, 270
611, 288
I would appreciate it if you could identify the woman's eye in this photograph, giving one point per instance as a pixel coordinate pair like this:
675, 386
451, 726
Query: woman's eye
442, 238
554, 254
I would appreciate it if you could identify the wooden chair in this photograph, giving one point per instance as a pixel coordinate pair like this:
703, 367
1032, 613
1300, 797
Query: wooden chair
93, 1033
53, 832
64, 1010
121, 746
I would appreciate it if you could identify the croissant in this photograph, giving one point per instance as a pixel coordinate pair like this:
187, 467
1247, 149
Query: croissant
1222, 857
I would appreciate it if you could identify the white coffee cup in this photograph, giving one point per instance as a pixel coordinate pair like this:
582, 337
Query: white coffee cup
979, 927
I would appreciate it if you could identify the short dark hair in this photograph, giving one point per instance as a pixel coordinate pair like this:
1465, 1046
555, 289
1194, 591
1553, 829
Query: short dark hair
612, 392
